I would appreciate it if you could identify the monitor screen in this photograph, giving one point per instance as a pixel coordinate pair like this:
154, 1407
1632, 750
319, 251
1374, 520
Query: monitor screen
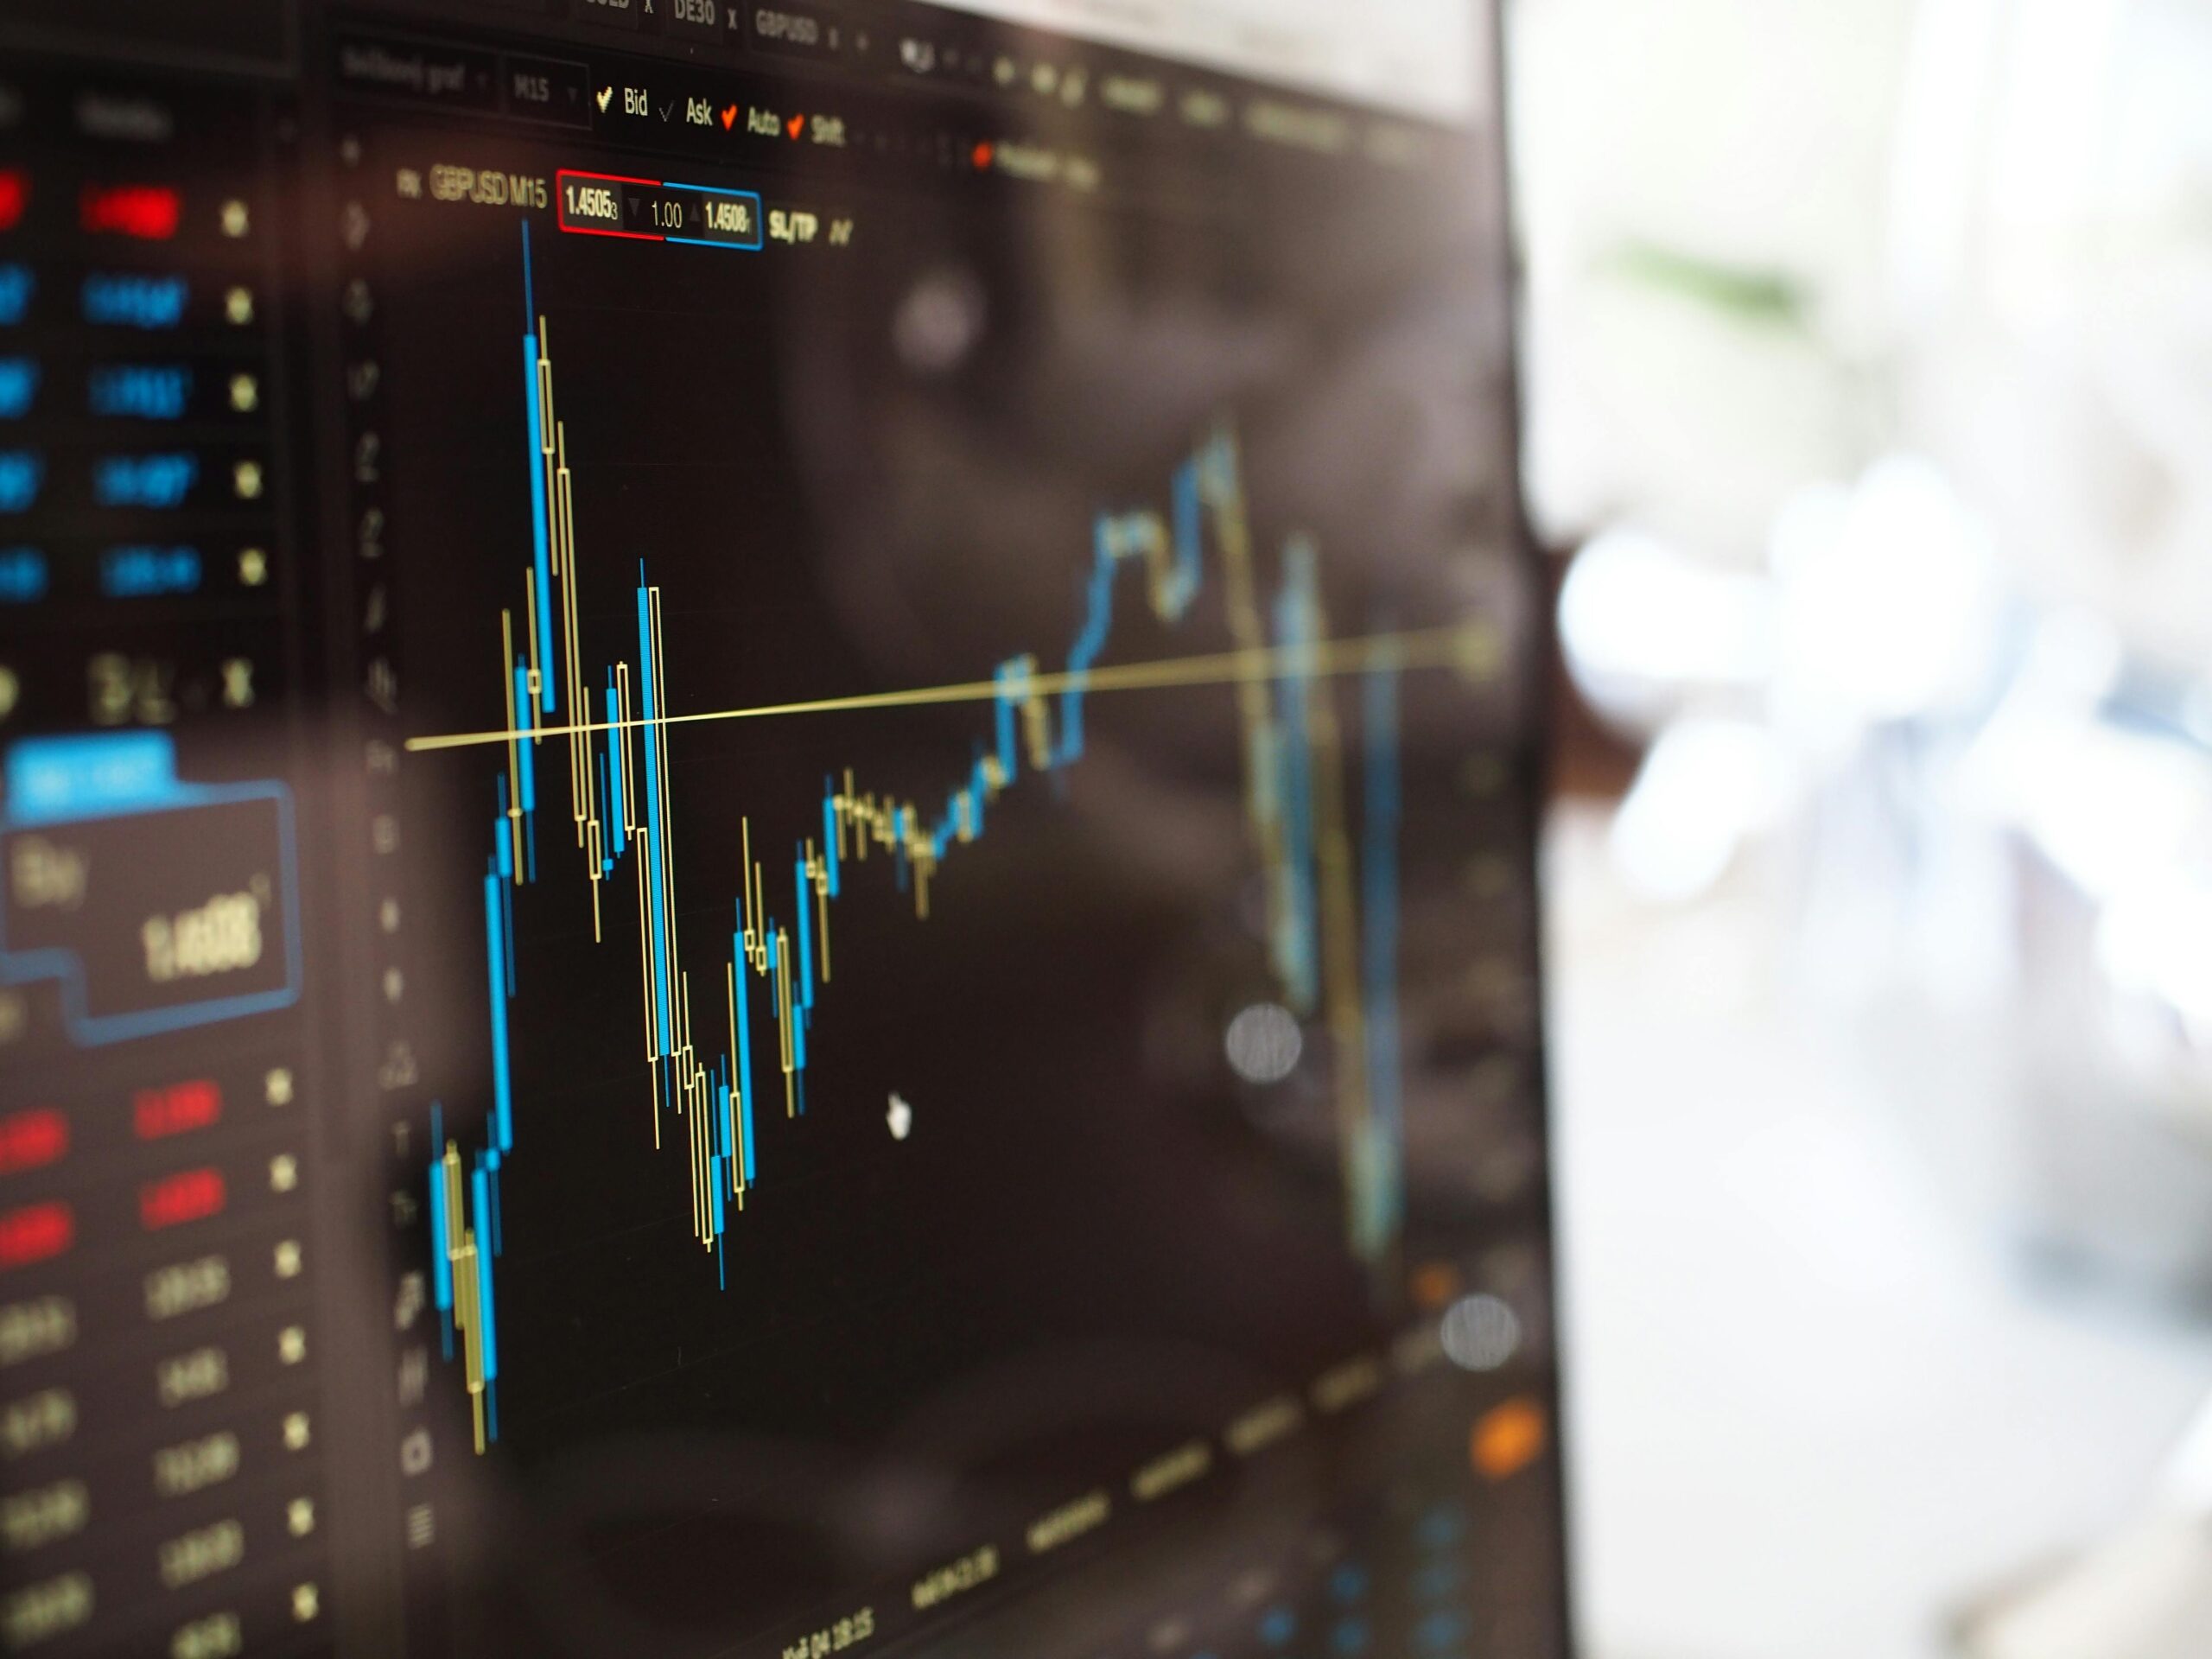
768, 787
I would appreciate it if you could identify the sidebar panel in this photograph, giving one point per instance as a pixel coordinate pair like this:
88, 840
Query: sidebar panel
162, 1087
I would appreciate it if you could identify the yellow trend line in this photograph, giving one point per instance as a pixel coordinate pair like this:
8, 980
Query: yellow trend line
1472, 647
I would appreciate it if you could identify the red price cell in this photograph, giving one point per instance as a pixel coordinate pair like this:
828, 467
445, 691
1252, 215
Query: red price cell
188, 1195
37, 1232
32, 1140
147, 211
156, 1114
15, 196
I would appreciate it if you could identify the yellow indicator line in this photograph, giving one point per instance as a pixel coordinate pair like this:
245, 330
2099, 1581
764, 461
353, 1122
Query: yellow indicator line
1471, 647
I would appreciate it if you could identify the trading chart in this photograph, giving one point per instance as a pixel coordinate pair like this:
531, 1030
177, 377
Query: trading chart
770, 850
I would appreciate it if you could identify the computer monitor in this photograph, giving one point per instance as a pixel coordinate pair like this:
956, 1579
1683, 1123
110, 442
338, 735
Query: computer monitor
769, 776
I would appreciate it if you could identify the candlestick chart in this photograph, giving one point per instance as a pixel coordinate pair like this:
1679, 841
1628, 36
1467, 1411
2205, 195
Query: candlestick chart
581, 791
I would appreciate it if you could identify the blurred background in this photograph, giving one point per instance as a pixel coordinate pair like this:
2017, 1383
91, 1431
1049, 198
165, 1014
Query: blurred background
1868, 364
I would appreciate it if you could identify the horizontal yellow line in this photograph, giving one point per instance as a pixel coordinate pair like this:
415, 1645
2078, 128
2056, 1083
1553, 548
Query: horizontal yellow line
1471, 647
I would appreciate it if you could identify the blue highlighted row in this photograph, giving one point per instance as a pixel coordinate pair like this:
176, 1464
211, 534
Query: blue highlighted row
156, 481
139, 571
23, 576
54, 779
161, 480
22, 473
16, 287
18, 385
148, 572
128, 390
139, 391
127, 300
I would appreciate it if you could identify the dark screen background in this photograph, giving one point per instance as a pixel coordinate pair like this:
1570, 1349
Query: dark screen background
855, 469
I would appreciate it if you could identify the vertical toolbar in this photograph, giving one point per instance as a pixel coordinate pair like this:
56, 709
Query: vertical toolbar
374, 715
